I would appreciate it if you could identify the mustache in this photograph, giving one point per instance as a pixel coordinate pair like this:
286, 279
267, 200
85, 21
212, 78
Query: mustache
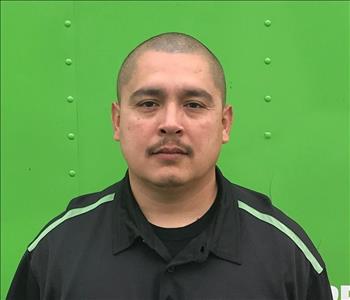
170, 141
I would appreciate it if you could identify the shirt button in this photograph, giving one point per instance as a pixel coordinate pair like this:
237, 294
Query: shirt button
171, 269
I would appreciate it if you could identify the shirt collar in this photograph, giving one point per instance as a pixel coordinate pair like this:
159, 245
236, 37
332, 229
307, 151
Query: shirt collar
130, 224
221, 237
224, 235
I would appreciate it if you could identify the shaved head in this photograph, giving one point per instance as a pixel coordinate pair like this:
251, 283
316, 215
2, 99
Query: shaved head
171, 42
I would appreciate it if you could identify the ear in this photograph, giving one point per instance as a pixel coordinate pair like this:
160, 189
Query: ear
227, 119
116, 120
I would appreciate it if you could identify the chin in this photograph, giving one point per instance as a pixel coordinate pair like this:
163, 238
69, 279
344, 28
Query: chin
169, 181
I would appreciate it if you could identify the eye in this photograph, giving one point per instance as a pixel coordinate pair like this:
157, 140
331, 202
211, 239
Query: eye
194, 105
148, 104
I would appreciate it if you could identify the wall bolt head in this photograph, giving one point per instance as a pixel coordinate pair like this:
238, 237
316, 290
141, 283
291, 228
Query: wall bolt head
267, 60
267, 23
268, 98
267, 134
71, 173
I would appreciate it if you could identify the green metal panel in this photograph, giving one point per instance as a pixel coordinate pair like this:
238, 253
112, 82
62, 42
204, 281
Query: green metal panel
303, 166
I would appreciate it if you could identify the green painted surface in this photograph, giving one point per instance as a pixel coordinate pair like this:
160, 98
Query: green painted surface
303, 167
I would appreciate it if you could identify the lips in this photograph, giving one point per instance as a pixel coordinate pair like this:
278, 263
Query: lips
169, 150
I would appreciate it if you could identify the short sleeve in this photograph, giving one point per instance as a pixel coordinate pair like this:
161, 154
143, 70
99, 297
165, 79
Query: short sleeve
24, 286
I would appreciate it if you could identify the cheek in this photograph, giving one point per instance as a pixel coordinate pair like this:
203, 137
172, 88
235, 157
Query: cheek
207, 136
133, 131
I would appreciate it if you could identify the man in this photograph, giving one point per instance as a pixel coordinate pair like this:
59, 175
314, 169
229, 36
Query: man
174, 227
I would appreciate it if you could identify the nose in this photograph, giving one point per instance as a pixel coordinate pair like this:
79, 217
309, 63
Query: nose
171, 121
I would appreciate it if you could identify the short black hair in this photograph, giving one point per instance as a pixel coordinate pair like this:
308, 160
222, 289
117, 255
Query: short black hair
172, 42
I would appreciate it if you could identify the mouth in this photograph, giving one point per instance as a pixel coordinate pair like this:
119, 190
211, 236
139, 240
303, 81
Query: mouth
170, 151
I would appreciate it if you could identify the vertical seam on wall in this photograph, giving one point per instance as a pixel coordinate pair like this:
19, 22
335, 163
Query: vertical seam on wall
348, 127
75, 89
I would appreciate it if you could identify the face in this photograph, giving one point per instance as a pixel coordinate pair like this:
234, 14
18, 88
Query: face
170, 121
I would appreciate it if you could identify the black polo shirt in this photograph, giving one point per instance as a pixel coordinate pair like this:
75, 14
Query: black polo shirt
103, 248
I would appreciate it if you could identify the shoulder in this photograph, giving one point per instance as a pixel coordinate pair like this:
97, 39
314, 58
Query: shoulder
84, 205
264, 218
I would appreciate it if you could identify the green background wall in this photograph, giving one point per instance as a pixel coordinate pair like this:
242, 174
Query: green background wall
303, 167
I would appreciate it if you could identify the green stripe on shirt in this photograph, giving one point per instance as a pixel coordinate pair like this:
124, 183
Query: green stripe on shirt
273, 221
70, 214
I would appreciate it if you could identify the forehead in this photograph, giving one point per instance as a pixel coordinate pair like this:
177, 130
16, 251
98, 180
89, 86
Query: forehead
163, 60
171, 71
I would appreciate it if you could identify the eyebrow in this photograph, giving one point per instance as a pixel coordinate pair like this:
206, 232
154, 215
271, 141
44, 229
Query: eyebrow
161, 93
150, 92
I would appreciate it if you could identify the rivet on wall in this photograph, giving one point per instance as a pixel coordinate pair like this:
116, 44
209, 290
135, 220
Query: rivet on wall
70, 99
71, 173
68, 61
71, 136
267, 60
267, 23
267, 134
268, 98
67, 23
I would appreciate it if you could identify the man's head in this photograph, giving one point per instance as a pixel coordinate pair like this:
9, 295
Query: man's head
171, 117
171, 42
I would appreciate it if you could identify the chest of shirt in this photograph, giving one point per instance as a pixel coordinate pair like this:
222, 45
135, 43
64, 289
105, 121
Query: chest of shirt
140, 273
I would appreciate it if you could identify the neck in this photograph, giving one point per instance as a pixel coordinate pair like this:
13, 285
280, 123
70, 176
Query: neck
176, 206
